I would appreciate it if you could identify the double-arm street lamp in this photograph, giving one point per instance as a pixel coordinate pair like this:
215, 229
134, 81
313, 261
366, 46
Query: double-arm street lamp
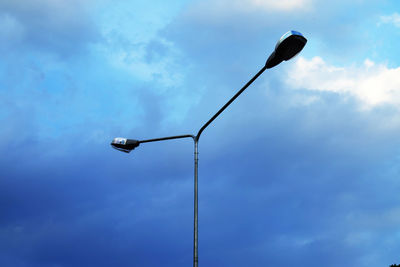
289, 45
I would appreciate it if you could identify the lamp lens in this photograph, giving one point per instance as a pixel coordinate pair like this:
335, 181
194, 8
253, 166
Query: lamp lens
119, 140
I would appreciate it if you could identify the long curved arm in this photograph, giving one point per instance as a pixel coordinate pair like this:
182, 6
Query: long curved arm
197, 137
230, 101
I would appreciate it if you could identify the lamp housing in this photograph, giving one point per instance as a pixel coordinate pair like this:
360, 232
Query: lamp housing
288, 46
124, 144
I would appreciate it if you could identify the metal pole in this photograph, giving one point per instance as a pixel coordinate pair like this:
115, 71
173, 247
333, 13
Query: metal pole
195, 238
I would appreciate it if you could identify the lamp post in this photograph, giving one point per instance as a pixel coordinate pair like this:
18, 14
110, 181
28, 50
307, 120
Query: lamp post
288, 46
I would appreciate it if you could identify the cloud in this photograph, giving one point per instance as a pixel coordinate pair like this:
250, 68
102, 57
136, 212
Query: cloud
391, 19
234, 13
61, 27
372, 84
11, 30
272, 182
240, 6
285, 5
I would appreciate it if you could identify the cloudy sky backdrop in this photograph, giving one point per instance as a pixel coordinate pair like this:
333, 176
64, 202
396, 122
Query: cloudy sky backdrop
303, 169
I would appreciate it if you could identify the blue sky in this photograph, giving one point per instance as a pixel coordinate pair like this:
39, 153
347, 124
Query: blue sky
302, 169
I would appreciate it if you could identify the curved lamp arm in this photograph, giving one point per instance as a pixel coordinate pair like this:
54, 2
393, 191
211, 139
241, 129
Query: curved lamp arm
167, 138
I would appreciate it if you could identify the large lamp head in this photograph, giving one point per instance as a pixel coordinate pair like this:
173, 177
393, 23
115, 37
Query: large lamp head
124, 144
288, 46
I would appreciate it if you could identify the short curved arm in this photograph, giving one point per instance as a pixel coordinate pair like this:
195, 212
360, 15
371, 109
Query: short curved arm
167, 138
230, 101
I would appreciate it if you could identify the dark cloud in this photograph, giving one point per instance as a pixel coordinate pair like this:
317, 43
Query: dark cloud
270, 186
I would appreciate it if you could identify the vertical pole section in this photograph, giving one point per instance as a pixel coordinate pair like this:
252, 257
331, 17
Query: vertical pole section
195, 238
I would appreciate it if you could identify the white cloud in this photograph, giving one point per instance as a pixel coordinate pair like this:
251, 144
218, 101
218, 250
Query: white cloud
372, 84
393, 19
270, 5
224, 8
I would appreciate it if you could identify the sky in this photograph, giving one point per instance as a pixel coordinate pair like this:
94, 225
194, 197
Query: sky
302, 169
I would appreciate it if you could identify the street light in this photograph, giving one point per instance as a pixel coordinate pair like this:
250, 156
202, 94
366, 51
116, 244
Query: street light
288, 46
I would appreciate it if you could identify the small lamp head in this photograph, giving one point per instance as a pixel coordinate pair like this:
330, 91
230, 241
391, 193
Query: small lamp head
124, 144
